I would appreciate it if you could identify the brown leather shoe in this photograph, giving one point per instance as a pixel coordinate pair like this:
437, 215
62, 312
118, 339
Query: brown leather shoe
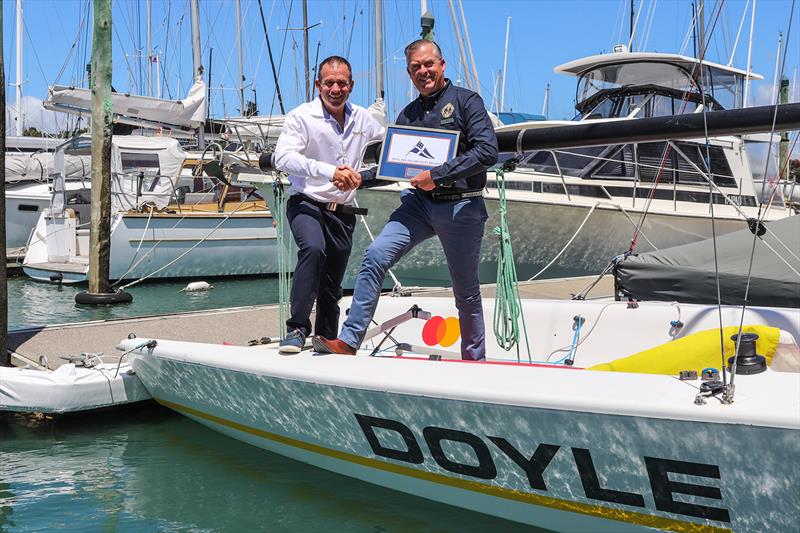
323, 345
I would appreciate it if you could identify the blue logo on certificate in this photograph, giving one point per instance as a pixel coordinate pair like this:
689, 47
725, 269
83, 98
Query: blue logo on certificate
408, 151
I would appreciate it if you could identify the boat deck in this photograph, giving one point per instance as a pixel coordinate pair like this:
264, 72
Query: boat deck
14, 257
46, 345
73, 268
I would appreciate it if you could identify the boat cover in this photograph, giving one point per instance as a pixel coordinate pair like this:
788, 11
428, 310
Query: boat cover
69, 388
686, 273
155, 161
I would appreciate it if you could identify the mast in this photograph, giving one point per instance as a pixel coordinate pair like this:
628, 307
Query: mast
701, 29
305, 48
5, 360
467, 77
102, 122
379, 48
546, 103
505, 63
197, 60
749, 54
426, 21
631, 27
783, 146
20, 128
240, 54
469, 48
149, 52
271, 61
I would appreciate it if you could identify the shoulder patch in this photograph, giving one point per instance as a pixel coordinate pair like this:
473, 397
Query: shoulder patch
447, 111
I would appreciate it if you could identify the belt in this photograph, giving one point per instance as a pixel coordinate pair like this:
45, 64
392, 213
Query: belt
336, 207
450, 197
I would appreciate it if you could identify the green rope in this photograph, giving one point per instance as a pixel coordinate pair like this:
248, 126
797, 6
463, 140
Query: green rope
508, 304
283, 244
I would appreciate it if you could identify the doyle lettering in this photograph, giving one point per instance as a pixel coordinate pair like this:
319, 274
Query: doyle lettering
478, 462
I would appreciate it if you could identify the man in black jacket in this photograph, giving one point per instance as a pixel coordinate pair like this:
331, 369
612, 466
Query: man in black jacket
446, 201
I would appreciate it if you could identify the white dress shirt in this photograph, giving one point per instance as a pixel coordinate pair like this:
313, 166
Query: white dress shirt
312, 145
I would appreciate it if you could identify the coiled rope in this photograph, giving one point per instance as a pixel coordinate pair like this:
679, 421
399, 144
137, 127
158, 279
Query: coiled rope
508, 316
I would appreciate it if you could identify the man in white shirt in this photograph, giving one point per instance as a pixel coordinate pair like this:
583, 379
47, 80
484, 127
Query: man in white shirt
320, 148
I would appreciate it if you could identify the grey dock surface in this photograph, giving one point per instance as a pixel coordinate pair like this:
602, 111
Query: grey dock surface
231, 325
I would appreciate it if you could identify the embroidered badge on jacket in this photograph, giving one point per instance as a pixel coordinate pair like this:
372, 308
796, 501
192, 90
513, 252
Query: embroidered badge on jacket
447, 110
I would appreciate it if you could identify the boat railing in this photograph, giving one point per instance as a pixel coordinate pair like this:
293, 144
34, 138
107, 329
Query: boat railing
686, 176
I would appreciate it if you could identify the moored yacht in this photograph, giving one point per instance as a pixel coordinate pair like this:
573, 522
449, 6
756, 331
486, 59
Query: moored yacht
167, 221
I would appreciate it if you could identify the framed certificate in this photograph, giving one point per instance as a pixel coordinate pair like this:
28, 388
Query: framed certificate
407, 151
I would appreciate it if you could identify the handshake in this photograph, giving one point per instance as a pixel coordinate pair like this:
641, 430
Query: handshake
346, 179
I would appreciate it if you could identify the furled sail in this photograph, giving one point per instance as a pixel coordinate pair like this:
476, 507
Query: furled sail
40, 167
133, 109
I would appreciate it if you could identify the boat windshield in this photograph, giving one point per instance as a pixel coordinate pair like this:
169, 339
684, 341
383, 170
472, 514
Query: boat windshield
640, 102
726, 88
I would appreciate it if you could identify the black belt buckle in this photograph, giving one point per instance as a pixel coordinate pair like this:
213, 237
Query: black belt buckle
451, 197
332, 206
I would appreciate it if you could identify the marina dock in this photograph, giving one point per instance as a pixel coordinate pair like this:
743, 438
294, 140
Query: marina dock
45, 346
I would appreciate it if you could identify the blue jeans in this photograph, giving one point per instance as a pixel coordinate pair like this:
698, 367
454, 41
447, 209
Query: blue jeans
459, 226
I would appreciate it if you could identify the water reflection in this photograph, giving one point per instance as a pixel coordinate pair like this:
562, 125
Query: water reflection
148, 469
34, 303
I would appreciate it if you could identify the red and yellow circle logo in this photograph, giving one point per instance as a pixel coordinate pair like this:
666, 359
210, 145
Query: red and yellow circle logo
442, 331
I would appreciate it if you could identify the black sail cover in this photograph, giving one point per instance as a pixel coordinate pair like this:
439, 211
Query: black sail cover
686, 273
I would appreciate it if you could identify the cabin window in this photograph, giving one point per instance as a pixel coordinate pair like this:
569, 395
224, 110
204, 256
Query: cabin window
134, 162
28, 207
676, 168
569, 161
619, 166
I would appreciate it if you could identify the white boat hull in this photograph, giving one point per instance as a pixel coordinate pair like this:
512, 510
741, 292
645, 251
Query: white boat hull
24, 204
171, 246
539, 231
557, 447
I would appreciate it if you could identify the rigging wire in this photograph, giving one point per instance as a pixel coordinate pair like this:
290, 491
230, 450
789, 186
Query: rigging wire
648, 23
729, 391
667, 146
738, 33
75, 44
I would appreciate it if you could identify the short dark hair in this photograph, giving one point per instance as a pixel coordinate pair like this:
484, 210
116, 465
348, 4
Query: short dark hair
333, 60
419, 42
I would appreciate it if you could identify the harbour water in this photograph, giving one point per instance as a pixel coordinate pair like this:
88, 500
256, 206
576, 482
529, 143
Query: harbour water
33, 303
149, 469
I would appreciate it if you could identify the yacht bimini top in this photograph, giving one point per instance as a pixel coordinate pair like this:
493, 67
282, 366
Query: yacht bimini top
580, 66
666, 72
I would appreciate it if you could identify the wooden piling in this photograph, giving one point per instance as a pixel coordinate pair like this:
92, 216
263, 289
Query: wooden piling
5, 360
102, 122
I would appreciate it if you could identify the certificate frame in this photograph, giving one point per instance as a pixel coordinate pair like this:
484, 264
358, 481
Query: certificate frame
409, 150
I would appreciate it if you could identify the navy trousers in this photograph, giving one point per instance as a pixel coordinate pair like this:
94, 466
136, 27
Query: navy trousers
459, 226
324, 240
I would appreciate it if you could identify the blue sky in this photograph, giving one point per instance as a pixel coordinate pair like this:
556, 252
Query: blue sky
543, 35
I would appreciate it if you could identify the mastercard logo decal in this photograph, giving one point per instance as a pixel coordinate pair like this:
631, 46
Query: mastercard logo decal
442, 331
